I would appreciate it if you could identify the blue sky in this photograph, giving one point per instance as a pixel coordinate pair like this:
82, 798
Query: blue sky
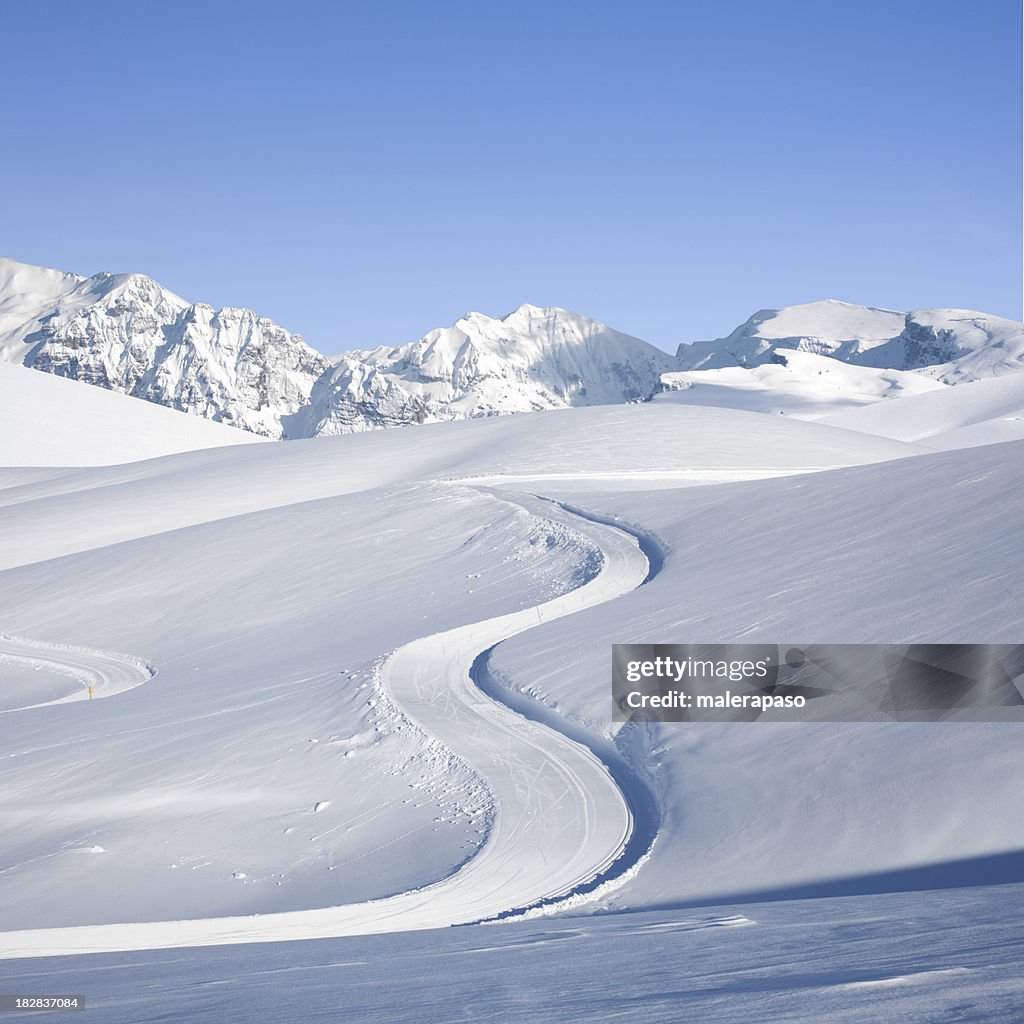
362, 172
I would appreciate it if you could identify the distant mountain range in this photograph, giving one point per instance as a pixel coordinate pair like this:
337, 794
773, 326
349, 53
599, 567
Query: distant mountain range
127, 333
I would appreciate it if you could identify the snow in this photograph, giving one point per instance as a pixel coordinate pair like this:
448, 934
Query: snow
256, 655
986, 346
799, 384
637, 443
381, 704
50, 421
951, 345
916, 957
979, 413
914, 550
92, 674
284, 573
127, 333
27, 293
531, 359
829, 328
831, 319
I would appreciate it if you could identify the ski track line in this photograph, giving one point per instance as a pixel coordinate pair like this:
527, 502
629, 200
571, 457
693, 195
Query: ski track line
528, 767
106, 673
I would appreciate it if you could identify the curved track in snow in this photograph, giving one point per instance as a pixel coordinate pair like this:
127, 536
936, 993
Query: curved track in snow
90, 673
560, 822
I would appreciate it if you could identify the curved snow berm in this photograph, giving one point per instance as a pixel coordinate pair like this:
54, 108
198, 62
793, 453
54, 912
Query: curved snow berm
90, 673
560, 820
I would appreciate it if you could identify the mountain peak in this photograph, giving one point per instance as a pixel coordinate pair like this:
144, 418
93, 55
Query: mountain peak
528, 311
128, 333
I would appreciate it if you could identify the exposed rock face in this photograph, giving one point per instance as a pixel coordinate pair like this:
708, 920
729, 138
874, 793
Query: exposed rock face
127, 333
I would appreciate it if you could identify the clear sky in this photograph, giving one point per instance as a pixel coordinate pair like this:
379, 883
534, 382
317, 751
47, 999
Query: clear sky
363, 172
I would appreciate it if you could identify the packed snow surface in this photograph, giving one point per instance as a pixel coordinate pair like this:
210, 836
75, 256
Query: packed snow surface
979, 413
916, 957
341, 635
277, 583
48, 421
795, 383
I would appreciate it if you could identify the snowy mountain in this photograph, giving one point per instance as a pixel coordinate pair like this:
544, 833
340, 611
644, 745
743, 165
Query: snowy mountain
127, 333
530, 360
950, 345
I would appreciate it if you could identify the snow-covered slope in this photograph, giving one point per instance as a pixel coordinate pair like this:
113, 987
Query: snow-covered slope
264, 585
919, 550
978, 413
794, 382
919, 957
951, 345
48, 421
27, 293
636, 445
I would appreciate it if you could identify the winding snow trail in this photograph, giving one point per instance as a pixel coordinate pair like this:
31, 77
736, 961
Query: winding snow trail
90, 673
560, 819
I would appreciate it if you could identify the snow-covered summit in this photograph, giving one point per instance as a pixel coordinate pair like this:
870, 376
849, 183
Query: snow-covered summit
128, 333
950, 345
531, 359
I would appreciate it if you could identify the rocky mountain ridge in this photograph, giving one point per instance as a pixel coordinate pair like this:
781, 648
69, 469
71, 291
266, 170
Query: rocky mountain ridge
127, 333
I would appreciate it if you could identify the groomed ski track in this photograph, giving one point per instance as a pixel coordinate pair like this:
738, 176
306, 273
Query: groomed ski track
90, 673
560, 820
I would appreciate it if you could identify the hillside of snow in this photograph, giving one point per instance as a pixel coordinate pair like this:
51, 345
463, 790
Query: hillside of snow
264, 587
794, 383
915, 550
359, 686
978, 413
48, 421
